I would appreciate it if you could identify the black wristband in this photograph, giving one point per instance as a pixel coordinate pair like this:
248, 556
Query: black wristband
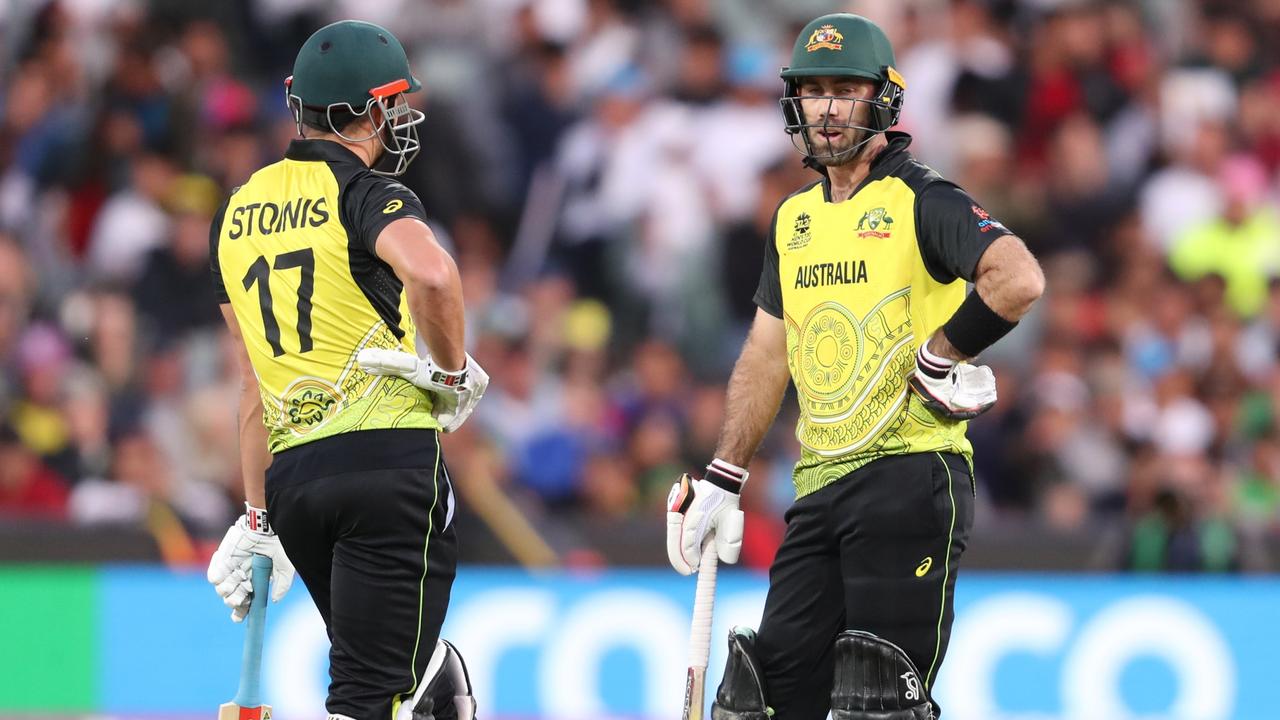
975, 327
932, 365
725, 476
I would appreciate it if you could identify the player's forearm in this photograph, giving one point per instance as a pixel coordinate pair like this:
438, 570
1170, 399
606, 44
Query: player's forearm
254, 456
1009, 279
755, 392
435, 303
1007, 283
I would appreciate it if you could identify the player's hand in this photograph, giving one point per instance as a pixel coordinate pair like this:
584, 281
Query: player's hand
454, 393
698, 508
954, 390
231, 568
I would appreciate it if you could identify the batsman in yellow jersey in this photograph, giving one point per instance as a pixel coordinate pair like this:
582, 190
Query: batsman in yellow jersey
863, 305
327, 273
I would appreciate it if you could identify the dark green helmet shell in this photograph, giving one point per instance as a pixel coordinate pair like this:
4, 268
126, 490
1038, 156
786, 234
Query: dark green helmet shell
841, 44
343, 62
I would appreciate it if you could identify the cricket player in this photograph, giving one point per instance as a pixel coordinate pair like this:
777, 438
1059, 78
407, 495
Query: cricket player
863, 304
326, 272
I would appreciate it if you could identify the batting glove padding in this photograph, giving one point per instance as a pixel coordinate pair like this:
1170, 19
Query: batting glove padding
454, 394
231, 571
958, 391
697, 509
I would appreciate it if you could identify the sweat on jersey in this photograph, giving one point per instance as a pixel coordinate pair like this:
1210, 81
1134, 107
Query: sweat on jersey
292, 250
859, 284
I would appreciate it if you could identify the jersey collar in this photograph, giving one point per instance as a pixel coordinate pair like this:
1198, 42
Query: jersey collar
321, 150
886, 161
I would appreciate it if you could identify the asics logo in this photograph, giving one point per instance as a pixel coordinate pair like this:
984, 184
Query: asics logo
924, 566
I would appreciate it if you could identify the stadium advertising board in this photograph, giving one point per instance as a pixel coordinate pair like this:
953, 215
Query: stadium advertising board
144, 642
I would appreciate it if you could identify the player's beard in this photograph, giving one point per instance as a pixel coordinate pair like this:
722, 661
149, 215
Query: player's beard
844, 150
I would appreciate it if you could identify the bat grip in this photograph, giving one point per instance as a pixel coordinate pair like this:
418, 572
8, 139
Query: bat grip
703, 602
249, 694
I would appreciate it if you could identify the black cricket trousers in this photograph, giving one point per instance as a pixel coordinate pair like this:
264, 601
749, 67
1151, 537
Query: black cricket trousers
366, 518
877, 550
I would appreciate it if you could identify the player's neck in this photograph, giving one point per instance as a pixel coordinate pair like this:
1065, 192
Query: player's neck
844, 179
363, 150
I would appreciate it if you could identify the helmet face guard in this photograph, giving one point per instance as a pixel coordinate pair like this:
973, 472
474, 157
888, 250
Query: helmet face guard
885, 107
397, 132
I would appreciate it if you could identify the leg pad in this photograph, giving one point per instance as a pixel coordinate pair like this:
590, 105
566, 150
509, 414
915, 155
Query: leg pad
875, 680
741, 692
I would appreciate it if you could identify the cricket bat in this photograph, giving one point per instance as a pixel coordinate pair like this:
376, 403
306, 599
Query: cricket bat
247, 704
700, 635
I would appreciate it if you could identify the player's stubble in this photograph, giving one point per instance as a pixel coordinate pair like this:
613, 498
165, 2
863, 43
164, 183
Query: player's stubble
848, 147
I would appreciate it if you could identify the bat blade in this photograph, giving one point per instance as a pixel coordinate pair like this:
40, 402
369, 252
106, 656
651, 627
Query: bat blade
247, 704
232, 711
694, 692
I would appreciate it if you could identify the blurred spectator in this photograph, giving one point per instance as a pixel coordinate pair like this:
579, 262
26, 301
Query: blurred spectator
16, 292
1242, 245
174, 292
43, 359
132, 222
28, 488
1170, 538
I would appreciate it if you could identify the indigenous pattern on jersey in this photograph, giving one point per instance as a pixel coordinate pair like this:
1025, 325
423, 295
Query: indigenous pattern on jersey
292, 250
859, 285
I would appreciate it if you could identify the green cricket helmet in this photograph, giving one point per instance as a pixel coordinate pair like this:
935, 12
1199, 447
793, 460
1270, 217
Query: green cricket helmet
346, 69
842, 45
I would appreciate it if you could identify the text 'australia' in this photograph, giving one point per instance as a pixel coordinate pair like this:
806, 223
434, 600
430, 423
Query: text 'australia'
267, 218
846, 272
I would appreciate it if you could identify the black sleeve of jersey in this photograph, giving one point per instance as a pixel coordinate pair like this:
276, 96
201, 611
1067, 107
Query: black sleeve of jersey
373, 202
215, 230
769, 292
954, 231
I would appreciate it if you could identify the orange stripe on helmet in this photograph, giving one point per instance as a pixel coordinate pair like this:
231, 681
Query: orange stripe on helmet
391, 88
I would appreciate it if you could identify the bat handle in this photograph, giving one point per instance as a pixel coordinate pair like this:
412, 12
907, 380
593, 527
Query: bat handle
703, 602
249, 695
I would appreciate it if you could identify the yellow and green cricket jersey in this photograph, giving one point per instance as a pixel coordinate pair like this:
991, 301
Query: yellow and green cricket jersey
859, 285
292, 250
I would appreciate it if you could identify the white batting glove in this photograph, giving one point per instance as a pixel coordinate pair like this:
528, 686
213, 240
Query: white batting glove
454, 393
231, 568
696, 508
955, 390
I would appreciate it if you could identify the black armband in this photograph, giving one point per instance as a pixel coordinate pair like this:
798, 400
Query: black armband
975, 327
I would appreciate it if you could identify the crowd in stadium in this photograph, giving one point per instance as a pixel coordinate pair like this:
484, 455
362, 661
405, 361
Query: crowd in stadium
605, 172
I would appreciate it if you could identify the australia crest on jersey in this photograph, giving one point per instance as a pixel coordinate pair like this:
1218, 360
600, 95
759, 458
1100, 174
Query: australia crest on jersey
874, 223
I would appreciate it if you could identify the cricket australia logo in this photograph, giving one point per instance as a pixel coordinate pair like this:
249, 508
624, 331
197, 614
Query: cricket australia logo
875, 223
912, 692
826, 37
801, 235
